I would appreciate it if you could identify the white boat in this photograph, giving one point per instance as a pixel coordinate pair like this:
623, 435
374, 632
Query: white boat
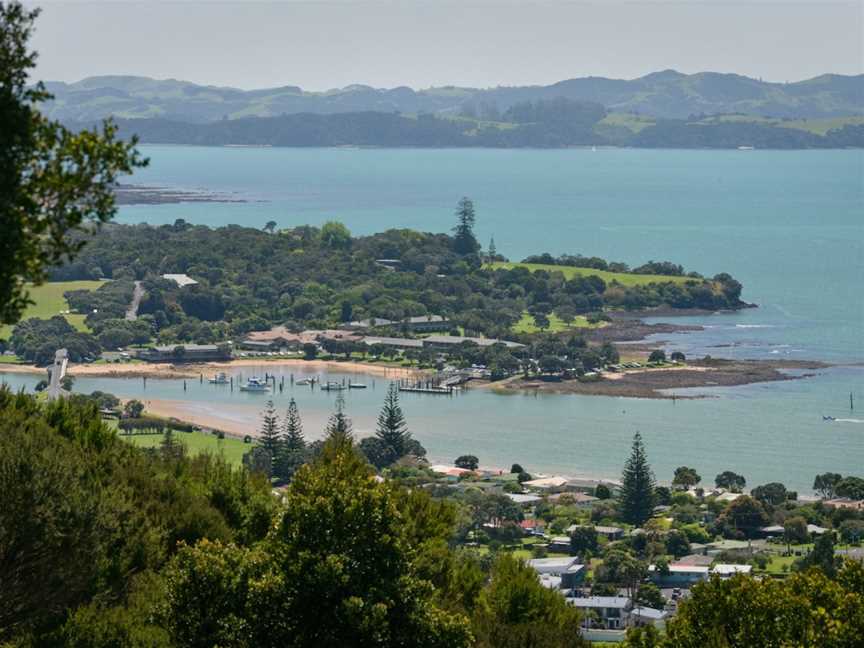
306, 381
332, 386
353, 385
255, 384
219, 379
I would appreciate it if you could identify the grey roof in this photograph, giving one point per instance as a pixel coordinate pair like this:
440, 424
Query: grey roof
555, 565
392, 341
649, 613
519, 498
601, 602
459, 339
186, 347
180, 279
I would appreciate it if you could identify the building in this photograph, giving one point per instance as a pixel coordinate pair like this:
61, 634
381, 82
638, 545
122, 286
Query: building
547, 483
678, 575
608, 612
186, 353
728, 571
845, 502
559, 573
419, 324
181, 280
645, 616
444, 342
524, 500
399, 343
589, 486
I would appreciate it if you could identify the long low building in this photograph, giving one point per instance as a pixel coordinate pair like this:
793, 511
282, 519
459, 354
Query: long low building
449, 341
186, 353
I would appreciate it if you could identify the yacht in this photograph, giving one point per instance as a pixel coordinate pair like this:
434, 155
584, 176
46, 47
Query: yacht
332, 386
353, 385
219, 379
255, 384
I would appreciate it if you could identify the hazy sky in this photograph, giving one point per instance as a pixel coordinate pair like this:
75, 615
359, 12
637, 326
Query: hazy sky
384, 43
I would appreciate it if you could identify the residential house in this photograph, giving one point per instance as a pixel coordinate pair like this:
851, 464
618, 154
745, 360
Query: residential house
678, 575
729, 570
645, 616
559, 573
525, 501
547, 483
609, 532
608, 612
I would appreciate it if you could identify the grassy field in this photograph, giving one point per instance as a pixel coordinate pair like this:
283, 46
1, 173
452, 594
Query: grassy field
49, 301
633, 123
815, 126
196, 443
556, 324
623, 278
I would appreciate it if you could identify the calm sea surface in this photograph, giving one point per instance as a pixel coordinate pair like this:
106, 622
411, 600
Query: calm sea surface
788, 225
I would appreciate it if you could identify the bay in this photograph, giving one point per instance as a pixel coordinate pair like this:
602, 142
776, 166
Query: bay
788, 224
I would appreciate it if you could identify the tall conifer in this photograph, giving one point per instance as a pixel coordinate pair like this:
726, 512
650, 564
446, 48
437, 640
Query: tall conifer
637, 491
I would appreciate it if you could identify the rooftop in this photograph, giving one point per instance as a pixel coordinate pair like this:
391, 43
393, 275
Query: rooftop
180, 279
728, 570
519, 498
620, 602
459, 339
393, 341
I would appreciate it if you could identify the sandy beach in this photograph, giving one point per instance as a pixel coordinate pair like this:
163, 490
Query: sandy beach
166, 370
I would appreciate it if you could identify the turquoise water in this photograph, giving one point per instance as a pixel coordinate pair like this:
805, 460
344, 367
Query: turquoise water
789, 225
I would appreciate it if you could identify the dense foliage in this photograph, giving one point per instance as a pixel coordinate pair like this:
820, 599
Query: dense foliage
316, 277
559, 123
52, 181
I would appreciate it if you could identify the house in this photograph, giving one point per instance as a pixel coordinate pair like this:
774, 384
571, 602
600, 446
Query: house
609, 612
559, 544
588, 485
729, 570
728, 496
524, 500
186, 353
547, 483
449, 471
581, 500
559, 573
181, 280
277, 337
533, 525
645, 616
608, 532
678, 575
444, 342
845, 502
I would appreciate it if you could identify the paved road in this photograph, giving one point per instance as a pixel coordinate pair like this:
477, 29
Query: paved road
137, 295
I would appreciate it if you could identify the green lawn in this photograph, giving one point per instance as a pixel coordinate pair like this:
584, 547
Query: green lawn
196, 443
49, 301
623, 278
631, 122
556, 324
815, 126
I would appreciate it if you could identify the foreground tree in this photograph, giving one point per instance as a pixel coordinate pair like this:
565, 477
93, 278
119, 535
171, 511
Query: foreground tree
270, 429
52, 181
516, 611
344, 566
806, 609
637, 489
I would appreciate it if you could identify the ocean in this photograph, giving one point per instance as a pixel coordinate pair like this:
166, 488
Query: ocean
788, 224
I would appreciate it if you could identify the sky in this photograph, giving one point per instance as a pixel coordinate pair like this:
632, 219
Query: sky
326, 44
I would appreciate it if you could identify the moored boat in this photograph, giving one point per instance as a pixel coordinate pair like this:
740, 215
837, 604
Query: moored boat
219, 379
255, 384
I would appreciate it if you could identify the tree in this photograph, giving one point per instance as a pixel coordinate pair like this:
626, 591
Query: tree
335, 235
637, 490
346, 311
773, 494
270, 226
464, 241
743, 611
292, 429
852, 531
649, 595
677, 356
392, 429
541, 321
516, 611
310, 351
825, 484
657, 355
685, 477
677, 543
52, 181
583, 539
133, 409
602, 492
730, 481
270, 430
349, 562
516, 468
468, 462
492, 252
823, 556
339, 426
795, 530
622, 568
851, 487
743, 518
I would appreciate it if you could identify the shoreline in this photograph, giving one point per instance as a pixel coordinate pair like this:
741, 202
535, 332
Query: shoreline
194, 370
655, 383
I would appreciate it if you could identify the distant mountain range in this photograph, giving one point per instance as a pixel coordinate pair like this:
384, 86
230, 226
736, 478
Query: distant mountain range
661, 95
